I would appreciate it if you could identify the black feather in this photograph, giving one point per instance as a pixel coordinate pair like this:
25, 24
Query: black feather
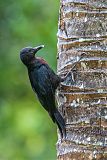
44, 83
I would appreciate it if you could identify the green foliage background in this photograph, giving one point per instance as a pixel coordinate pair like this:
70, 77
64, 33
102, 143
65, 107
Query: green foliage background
26, 131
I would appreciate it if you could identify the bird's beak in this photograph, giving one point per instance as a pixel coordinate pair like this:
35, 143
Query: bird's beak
35, 49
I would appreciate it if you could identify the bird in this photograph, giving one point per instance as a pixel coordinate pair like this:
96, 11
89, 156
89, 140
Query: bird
44, 83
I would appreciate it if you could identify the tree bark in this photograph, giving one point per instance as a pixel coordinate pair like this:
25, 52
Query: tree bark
82, 97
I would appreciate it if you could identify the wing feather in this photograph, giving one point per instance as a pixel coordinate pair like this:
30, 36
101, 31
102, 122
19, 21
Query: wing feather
41, 83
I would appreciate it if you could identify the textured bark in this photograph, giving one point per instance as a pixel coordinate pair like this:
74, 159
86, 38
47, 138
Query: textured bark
82, 98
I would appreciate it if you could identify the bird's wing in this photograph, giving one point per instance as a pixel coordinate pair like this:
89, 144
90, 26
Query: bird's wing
54, 78
42, 85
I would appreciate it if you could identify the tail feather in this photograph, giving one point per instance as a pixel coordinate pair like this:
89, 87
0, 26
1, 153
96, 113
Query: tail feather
61, 123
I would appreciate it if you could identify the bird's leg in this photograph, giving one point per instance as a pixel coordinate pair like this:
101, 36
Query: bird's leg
70, 72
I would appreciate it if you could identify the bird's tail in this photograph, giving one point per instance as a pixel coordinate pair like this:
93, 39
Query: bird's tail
61, 123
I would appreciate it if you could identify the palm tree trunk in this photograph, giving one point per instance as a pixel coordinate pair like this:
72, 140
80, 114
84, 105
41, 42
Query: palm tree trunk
82, 97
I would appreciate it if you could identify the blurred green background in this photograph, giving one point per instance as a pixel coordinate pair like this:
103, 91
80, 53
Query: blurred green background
26, 131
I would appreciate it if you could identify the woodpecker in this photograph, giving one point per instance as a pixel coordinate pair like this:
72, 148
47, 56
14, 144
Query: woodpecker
44, 82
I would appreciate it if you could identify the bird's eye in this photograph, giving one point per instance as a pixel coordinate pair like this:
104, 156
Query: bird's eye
30, 50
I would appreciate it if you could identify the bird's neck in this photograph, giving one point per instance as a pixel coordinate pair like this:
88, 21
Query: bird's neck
41, 60
36, 63
31, 64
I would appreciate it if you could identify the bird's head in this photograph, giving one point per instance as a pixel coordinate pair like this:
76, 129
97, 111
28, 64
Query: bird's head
27, 54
